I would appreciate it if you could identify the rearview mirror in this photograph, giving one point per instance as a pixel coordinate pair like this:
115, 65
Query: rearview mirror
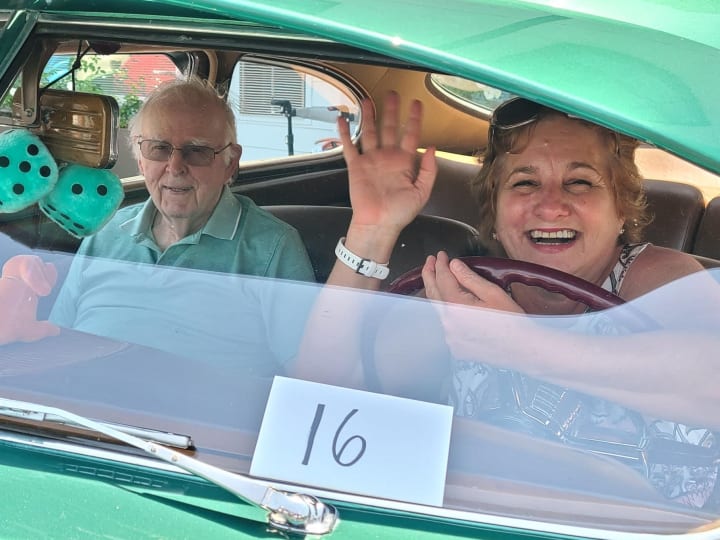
79, 128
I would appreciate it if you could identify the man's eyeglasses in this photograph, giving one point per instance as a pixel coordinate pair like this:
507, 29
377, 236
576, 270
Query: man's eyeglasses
192, 154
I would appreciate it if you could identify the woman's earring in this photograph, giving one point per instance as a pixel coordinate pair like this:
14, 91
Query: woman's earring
622, 231
494, 235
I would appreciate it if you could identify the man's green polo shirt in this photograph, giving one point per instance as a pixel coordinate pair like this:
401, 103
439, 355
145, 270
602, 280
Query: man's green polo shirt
123, 286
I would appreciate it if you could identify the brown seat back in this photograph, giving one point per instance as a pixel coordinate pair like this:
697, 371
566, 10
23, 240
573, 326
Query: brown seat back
676, 209
707, 240
452, 194
320, 227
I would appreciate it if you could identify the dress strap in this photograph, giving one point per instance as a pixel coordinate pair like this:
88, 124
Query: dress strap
628, 254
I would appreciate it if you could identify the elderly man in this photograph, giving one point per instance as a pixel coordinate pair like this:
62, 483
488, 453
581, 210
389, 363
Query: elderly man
185, 142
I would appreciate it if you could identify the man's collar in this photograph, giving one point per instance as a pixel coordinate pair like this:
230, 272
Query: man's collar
225, 219
223, 222
139, 225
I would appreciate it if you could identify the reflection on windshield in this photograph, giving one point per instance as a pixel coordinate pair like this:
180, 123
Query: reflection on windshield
194, 352
246, 324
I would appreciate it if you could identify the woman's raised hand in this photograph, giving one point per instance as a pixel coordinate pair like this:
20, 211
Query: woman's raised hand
388, 184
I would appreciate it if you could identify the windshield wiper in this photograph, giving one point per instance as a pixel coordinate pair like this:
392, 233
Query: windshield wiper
285, 511
170, 439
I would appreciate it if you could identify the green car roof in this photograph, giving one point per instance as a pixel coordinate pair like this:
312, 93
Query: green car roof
646, 67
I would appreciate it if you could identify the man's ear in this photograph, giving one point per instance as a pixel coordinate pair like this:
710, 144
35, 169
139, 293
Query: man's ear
236, 154
140, 167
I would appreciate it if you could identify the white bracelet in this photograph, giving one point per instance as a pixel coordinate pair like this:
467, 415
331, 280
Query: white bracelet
365, 267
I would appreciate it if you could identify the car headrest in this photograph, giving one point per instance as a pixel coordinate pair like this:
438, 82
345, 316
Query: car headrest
676, 209
707, 240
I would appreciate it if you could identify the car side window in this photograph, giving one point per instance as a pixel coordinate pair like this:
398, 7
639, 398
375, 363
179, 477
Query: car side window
280, 109
128, 78
469, 93
285, 110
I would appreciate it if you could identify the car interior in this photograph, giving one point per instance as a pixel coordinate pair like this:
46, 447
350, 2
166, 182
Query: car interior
310, 191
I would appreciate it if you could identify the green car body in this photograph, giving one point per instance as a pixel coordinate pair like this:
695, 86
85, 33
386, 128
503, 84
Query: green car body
581, 57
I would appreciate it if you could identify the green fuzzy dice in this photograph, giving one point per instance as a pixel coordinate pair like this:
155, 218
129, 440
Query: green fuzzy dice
83, 200
28, 171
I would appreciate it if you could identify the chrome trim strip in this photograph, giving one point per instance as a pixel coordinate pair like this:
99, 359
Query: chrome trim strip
88, 451
499, 521
171, 439
215, 28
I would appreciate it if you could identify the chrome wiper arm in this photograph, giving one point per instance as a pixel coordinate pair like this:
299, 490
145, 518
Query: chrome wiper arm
285, 511
170, 439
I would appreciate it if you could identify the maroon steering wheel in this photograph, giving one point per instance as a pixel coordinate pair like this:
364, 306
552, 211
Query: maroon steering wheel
504, 272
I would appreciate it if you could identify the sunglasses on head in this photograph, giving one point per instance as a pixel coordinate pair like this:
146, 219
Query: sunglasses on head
518, 112
511, 114
514, 113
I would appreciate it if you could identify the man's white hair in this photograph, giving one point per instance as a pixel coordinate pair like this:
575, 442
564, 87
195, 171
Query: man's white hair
191, 92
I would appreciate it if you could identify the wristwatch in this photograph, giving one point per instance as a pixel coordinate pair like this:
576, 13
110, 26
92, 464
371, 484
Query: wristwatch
365, 267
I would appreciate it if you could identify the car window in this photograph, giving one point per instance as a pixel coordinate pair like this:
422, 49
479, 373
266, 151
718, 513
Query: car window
283, 110
469, 93
515, 443
280, 110
128, 78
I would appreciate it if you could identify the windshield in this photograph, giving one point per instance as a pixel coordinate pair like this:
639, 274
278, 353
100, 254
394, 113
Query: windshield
214, 356
235, 285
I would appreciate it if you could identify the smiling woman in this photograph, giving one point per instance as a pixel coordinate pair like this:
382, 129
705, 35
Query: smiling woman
555, 201
549, 185
560, 192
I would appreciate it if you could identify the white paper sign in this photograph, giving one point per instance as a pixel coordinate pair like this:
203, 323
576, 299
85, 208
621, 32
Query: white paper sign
354, 441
